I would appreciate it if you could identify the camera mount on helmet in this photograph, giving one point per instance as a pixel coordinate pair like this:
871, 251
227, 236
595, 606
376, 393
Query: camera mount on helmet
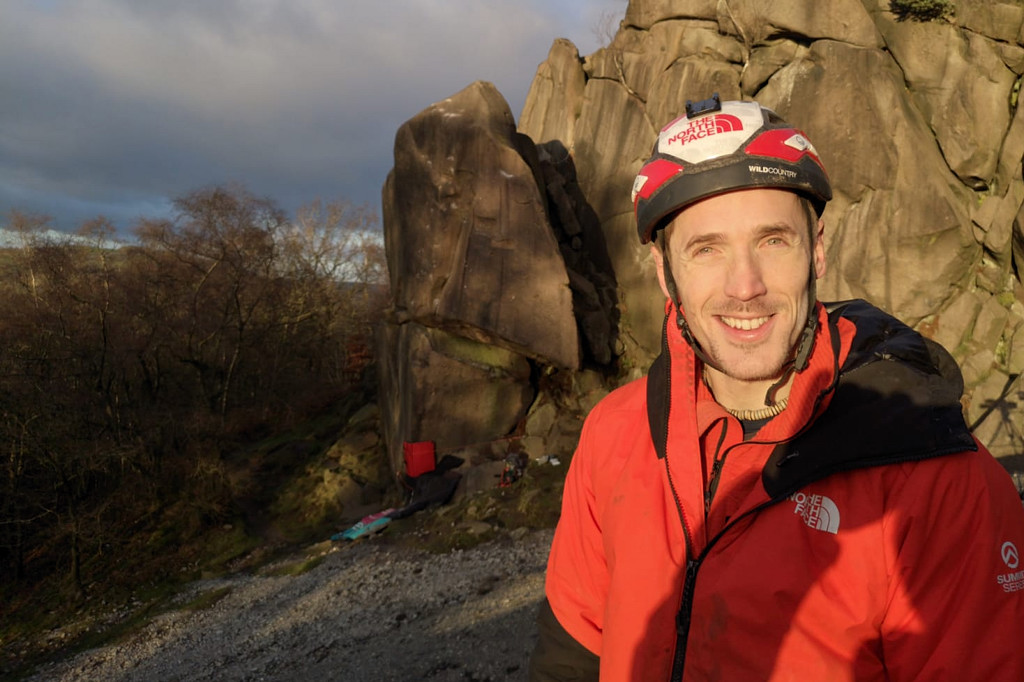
695, 109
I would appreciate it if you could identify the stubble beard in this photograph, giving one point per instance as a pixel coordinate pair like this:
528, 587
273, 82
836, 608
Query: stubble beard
753, 363
764, 361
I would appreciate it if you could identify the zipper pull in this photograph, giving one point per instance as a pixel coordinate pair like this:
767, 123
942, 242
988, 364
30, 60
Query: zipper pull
709, 492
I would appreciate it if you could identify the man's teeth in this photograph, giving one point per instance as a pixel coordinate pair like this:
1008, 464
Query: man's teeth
744, 324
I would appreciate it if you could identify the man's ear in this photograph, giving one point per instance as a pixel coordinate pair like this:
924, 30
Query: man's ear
819, 250
659, 264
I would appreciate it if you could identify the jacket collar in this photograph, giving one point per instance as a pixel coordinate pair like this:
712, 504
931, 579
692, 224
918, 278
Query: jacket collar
875, 392
674, 380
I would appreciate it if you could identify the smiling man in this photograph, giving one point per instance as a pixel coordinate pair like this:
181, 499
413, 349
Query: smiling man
792, 492
742, 263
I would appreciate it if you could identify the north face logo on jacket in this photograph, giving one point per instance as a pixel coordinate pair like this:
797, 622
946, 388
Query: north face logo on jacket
817, 511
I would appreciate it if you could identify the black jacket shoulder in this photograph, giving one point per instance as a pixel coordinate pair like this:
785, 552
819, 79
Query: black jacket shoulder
895, 399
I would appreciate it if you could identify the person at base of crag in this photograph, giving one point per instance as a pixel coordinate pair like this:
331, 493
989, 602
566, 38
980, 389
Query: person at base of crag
792, 492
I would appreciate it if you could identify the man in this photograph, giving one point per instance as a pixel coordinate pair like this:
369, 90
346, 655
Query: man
791, 493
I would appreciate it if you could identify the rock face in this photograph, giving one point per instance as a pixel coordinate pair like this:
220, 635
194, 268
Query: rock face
448, 389
478, 279
468, 242
917, 121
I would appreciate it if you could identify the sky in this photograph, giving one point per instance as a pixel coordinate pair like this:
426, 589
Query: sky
114, 107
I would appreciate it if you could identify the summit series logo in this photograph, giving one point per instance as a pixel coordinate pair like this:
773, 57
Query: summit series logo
1011, 557
706, 126
1014, 581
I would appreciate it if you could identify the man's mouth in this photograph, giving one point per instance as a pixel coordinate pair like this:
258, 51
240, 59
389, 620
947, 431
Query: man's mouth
745, 324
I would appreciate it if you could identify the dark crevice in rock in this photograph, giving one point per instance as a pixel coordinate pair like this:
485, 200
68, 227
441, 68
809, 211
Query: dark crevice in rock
662, 20
582, 245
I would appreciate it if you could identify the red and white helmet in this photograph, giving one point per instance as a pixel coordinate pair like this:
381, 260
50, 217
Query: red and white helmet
718, 147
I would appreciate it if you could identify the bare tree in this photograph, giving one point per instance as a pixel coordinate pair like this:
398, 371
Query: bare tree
126, 373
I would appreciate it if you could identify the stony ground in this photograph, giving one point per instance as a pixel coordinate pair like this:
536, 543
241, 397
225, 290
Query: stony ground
369, 611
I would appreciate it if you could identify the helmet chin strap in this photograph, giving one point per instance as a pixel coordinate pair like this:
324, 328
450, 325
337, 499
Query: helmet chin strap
684, 327
801, 352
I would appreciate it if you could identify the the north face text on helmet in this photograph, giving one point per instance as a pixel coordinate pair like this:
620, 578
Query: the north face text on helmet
720, 147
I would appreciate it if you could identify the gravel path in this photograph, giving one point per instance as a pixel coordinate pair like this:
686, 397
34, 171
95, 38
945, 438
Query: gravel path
369, 611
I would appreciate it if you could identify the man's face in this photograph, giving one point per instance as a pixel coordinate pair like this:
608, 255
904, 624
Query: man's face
741, 263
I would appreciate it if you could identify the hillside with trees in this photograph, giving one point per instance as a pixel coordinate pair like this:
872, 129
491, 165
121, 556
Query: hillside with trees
143, 382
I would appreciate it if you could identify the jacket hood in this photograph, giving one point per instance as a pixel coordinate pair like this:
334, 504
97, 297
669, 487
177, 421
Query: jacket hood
896, 399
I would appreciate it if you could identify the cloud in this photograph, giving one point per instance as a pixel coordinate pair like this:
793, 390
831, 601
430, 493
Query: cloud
120, 104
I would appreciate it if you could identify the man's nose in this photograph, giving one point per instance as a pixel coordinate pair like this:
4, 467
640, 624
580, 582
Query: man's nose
745, 280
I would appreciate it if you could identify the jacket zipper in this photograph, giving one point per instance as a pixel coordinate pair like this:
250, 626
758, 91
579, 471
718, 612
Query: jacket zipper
716, 470
687, 536
684, 616
692, 565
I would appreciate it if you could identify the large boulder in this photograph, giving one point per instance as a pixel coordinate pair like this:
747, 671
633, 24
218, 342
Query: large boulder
483, 283
756, 21
468, 242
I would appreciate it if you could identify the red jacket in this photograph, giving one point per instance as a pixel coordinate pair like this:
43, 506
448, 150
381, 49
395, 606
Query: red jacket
860, 535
